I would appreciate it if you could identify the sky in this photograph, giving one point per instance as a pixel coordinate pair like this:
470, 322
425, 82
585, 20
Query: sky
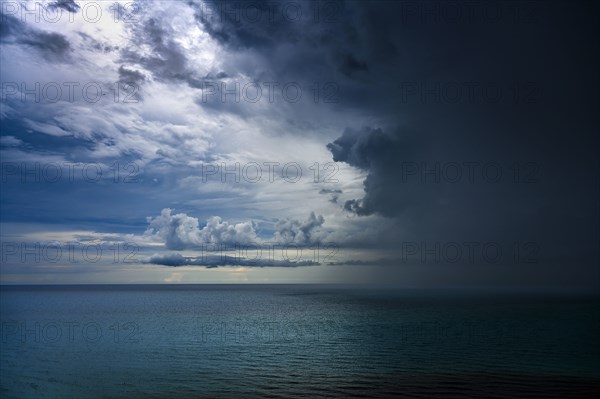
421, 144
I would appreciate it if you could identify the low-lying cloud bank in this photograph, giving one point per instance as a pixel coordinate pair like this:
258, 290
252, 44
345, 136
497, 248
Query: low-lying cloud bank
176, 259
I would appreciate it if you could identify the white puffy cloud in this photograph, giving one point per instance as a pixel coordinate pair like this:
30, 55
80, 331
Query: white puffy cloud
181, 231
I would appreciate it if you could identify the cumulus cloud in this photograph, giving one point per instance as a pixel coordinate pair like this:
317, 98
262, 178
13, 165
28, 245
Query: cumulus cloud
379, 153
180, 231
297, 232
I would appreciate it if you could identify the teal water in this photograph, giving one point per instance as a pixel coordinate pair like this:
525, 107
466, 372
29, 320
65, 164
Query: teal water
293, 341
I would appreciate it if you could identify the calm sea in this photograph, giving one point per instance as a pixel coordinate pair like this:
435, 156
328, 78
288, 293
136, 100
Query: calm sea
200, 341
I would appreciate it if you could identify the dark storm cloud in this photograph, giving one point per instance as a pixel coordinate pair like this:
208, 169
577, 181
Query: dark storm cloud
410, 59
290, 41
52, 46
67, 5
231, 23
361, 148
379, 153
397, 63
350, 66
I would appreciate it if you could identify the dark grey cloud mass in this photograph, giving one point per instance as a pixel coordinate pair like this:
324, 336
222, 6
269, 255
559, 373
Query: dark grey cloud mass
67, 5
211, 261
52, 46
378, 153
505, 90
225, 21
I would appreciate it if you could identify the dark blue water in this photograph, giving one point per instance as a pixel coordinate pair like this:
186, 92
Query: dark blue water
293, 341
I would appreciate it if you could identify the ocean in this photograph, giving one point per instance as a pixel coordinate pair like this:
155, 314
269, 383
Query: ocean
294, 341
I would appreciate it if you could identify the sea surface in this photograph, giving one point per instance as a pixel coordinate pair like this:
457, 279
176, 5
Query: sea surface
294, 341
